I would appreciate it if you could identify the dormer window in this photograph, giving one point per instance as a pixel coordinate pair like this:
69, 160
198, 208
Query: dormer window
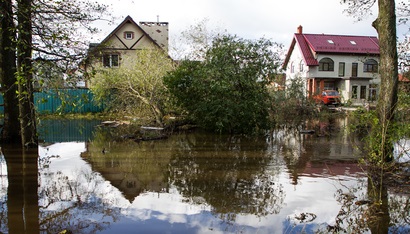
129, 35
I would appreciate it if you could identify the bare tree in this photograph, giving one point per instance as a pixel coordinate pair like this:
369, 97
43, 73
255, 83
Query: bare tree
195, 40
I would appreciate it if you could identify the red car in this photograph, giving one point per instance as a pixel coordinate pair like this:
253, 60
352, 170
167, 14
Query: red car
329, 97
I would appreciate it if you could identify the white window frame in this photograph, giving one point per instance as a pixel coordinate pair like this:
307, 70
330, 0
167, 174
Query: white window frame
129, 35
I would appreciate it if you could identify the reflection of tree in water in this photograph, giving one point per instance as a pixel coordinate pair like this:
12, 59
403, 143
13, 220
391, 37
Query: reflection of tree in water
365, 207
76, 204
3, 192
3, 214
232, 174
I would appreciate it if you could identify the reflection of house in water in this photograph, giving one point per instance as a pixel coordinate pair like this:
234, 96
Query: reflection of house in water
132, 169
331, 168
328, 151
331, 141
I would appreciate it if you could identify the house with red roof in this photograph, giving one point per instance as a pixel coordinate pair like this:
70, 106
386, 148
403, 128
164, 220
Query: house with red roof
345, 63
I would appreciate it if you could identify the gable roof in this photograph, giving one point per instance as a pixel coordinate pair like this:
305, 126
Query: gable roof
306, 50
311, 44
128, 19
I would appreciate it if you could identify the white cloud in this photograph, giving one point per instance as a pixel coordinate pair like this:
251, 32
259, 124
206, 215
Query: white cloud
251, 19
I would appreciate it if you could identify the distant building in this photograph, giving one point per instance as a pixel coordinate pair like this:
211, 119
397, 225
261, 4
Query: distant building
348, 64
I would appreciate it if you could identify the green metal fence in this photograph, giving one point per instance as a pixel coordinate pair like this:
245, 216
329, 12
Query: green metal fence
64, 101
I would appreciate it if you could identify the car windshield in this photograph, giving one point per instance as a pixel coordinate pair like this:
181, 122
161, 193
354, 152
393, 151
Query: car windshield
332, 93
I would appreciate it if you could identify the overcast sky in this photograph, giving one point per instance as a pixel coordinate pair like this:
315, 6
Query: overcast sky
249, 19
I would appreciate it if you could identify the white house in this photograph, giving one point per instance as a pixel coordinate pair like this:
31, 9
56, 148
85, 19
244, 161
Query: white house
348, 64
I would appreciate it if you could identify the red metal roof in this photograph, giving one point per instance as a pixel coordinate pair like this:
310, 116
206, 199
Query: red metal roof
306, 51
323, 43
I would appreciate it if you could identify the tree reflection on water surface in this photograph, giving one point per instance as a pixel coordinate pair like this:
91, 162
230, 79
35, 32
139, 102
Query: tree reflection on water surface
287, 182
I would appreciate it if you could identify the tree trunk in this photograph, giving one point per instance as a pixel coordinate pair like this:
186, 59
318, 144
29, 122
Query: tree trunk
379, 221
11, 128
385, 25
22, 193
25, 77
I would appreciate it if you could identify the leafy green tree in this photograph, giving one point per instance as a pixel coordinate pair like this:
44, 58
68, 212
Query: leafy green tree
385, 129
38, 30
137, 88
290, 105
24, 74
382, 135
227, 91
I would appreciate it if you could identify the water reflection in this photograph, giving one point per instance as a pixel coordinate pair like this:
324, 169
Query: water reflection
325, 149
192, 183
66, 130
20, 211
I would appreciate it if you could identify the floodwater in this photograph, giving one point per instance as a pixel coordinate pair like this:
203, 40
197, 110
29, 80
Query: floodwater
192, 182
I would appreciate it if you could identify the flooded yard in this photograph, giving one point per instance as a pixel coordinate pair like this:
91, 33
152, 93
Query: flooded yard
191, 182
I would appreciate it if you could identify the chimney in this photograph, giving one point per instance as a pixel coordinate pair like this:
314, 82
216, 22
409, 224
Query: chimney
300, 29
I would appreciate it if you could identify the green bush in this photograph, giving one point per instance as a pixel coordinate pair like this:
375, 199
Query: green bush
227, 91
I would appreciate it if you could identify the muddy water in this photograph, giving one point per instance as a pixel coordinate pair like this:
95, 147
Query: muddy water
286, 182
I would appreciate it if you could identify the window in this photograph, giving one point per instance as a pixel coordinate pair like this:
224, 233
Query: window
354, 69
292, 68
301, 66
129, 35
341, 69
110, 60
362, 92
372, 92
326, 64
354, 92
370, 66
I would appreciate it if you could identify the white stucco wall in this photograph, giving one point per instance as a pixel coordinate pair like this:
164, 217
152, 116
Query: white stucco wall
348, 60
295, 59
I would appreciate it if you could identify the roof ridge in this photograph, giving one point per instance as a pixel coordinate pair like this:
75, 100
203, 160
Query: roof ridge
339, 35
